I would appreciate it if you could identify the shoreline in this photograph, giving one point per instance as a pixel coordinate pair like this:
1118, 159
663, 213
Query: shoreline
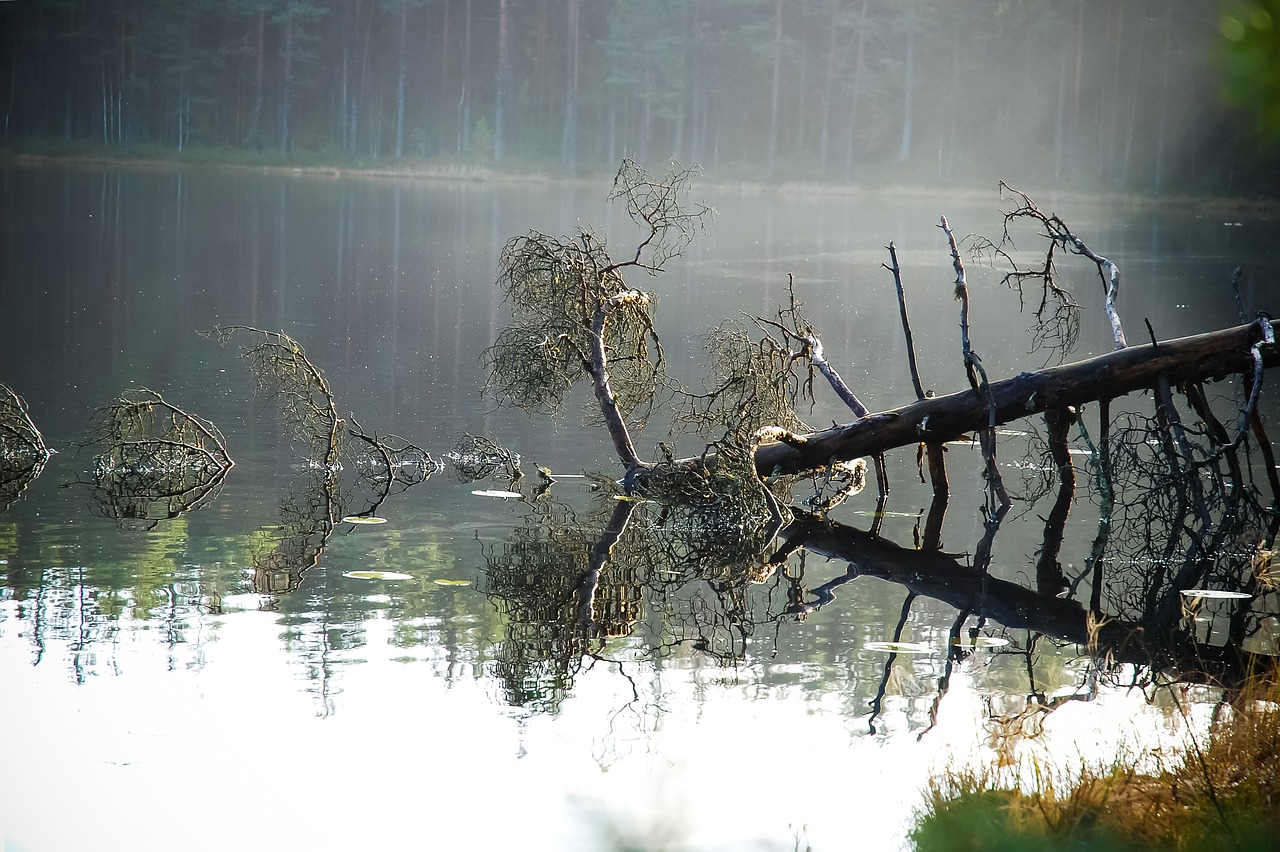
795, 188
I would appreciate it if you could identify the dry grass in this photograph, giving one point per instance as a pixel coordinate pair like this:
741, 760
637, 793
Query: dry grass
1222, 792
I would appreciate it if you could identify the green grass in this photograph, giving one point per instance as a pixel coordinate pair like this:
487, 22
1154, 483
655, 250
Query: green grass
1219, 793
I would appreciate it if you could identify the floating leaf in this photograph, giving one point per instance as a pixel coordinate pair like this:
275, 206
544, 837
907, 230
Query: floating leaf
901, 647
982, 642
363, 519
443, 582
870, 514
492, 493
376, 575
1215, 593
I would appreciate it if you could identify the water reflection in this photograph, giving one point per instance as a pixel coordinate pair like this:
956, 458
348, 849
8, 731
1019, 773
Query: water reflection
1183, 503
600, 625
158, 461
569, 586
309, 419
23, 453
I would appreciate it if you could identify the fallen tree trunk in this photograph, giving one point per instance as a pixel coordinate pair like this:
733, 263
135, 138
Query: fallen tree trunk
1201, 357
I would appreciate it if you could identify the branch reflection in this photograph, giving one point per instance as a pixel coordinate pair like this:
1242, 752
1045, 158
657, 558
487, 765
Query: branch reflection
158, 462
23, 452
1180, 582
314, 508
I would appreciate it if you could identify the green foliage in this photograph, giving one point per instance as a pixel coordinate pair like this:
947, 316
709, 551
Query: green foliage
979, 822
1251, 59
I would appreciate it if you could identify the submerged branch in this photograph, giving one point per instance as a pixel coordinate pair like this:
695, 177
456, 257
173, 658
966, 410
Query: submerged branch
158, 461
23, 452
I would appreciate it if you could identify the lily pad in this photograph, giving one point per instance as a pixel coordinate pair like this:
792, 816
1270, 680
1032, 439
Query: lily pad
444, 582
1221, 594
493, 493
363, 519
901, 647
982, 642
376, 575
870, 514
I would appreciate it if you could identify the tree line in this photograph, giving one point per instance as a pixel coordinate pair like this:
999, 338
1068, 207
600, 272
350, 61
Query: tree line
1113, 93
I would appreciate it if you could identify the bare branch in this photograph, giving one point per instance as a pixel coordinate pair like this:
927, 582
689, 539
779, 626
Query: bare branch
1059, 235
977, 376
283, 372
159, 461
23, 452
662, 207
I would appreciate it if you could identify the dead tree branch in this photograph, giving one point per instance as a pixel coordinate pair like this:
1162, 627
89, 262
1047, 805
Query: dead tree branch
23, 452
283, 372
575, 317
977, 375
158, 462
1200, 357
931, 449
1060, 236
796, 328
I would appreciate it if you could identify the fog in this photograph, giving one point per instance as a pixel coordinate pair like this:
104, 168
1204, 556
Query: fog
1086, 95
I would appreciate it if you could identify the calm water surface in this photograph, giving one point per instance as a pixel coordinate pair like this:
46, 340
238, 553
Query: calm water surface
155, 699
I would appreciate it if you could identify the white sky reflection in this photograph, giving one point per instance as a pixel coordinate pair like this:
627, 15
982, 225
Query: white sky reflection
236, 753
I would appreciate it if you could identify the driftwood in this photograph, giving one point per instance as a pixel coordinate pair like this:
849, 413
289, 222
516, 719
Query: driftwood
1201, 357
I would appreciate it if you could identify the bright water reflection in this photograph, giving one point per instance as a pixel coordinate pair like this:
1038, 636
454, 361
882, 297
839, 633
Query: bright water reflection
154, 692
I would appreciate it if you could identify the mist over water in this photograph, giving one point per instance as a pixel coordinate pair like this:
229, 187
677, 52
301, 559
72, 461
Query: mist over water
1092, 95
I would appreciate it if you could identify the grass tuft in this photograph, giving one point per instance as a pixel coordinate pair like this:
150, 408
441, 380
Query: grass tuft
1222, 793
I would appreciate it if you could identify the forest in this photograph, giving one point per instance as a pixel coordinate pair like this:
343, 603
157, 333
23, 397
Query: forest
1093, 94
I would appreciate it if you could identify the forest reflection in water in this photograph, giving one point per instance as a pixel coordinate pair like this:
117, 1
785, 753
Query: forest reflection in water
530, 587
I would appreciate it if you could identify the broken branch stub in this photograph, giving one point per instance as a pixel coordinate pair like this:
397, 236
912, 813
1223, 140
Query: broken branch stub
976, 373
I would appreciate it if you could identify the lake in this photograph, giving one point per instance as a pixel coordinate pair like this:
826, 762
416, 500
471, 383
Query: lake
163, 689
